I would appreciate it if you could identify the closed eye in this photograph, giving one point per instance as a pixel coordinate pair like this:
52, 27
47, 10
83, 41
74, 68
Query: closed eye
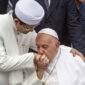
45, 46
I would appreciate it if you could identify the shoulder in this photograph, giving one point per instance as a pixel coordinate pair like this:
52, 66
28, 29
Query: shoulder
3, 20
74, 62
66, 48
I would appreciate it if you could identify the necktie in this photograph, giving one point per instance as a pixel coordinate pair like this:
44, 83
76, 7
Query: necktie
47, 4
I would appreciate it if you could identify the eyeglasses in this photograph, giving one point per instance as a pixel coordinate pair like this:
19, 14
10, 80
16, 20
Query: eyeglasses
29, 27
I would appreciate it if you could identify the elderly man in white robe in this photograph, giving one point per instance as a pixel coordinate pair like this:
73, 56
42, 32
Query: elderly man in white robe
64, 69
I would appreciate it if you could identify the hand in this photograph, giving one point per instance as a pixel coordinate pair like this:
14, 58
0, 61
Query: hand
76, 52
82, 0
41, 63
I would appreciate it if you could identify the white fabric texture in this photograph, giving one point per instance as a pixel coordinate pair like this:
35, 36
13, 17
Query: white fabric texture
70, 70
63, 70
12, 55
32, 80
65, 48
29, 11
49, 31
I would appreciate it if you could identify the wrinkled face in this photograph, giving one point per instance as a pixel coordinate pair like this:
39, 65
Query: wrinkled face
47, 45
24, 28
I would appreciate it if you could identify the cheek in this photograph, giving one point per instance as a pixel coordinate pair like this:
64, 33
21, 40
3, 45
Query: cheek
20, 28
52, 54
48, 53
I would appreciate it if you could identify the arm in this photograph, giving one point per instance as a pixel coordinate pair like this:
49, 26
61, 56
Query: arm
9, 63
73, 51
74, 26
76, 52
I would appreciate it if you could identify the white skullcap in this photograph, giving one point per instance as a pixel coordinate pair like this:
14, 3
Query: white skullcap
49, 31
29, 11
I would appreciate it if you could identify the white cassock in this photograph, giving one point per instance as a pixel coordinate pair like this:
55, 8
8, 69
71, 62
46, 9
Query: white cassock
14, 51
63, 70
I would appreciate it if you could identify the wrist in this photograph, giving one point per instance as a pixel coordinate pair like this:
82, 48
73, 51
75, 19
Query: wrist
40, 73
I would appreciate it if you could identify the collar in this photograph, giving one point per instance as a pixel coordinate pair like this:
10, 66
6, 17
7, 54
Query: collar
12, 22
54, 62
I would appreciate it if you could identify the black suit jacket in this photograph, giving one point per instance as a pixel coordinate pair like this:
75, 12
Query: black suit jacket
3, 6
63, 18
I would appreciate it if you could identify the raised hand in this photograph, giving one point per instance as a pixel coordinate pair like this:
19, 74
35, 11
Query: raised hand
41, 63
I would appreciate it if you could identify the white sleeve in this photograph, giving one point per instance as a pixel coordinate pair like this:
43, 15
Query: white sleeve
32, 80
80, 62
81, 70
65, 48
9, 63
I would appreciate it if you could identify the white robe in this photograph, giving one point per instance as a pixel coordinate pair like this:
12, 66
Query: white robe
63, 70
14, 55
68, 70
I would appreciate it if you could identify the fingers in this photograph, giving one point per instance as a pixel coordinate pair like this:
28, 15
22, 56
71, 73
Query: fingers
37, 57
41, 62
44, 60
73, 51
76, 52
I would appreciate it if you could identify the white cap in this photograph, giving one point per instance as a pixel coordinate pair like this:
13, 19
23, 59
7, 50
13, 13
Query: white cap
29, 11
49, 31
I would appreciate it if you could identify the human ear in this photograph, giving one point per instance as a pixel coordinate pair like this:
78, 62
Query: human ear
16, 21
57, 44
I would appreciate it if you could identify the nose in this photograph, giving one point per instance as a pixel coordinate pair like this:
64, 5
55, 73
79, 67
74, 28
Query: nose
41, 51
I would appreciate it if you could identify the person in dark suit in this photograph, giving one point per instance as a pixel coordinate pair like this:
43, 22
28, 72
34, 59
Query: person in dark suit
82, 12
62, 16
3, 6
